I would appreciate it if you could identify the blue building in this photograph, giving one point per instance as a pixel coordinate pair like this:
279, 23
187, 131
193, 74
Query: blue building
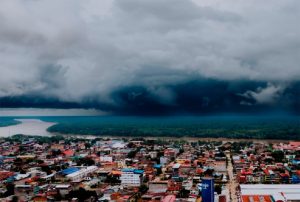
207, 189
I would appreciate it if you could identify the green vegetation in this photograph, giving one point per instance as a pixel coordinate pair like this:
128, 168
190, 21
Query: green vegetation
278, 155
246, 127
47, 139
215, 127
6, 121
143, 189
81, 194
40, 139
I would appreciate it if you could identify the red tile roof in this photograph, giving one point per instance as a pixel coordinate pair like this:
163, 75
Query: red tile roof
256, 198
5, 174
68, 152
295, 144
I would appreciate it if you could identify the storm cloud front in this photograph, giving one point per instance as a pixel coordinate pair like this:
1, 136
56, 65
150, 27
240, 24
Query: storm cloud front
155, 57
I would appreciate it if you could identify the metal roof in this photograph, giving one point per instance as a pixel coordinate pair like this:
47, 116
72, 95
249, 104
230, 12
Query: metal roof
69, 170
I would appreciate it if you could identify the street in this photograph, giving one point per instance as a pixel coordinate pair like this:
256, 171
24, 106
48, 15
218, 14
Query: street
232, 184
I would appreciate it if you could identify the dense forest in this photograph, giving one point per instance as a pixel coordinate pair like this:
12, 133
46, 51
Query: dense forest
227, 127
247, 127
7, 121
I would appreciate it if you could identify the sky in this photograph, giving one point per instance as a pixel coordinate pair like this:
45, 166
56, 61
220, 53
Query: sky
151, 57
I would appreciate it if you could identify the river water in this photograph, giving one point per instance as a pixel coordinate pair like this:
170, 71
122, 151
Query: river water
27, 127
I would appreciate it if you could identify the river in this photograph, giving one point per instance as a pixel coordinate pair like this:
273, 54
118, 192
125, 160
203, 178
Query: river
27, 127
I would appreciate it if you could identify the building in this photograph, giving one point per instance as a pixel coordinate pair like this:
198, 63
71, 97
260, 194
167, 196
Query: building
277, 192
163, 160
106, 158
158, 186
64, 189
131, 177
78, 175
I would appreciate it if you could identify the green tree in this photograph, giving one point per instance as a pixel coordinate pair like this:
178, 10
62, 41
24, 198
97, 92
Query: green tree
81, 194
278, 155
10, 187
183, 193
143, 189
218, 189
85, 161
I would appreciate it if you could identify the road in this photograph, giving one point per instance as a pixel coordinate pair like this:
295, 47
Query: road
232, 184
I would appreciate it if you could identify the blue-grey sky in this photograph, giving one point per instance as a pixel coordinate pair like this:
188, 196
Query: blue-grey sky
151, 56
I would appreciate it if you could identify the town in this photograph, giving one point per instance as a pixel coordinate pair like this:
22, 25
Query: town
104, 169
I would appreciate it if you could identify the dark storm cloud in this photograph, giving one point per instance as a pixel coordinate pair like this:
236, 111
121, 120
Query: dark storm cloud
158, 56
208, 96
199, 97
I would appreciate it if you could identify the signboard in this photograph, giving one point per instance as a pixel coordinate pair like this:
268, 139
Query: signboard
208, 189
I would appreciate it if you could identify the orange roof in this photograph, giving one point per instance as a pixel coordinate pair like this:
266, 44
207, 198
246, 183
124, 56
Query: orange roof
284, 174
266, 171
246, 172
68, 152
199, 171
116, 172
40, 198
295, 144
28, 180
256, 198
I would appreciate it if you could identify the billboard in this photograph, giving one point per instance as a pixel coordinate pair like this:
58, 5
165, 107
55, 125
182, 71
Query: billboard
208, 189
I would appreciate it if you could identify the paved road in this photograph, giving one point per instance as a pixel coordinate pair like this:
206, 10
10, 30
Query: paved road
232, 184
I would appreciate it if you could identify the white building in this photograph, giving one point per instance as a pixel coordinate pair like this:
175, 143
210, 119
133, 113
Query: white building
158, 186
153, 154
278, 192
106, 159
64, 189
131, 177
78, 175
22, 176
163, 160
